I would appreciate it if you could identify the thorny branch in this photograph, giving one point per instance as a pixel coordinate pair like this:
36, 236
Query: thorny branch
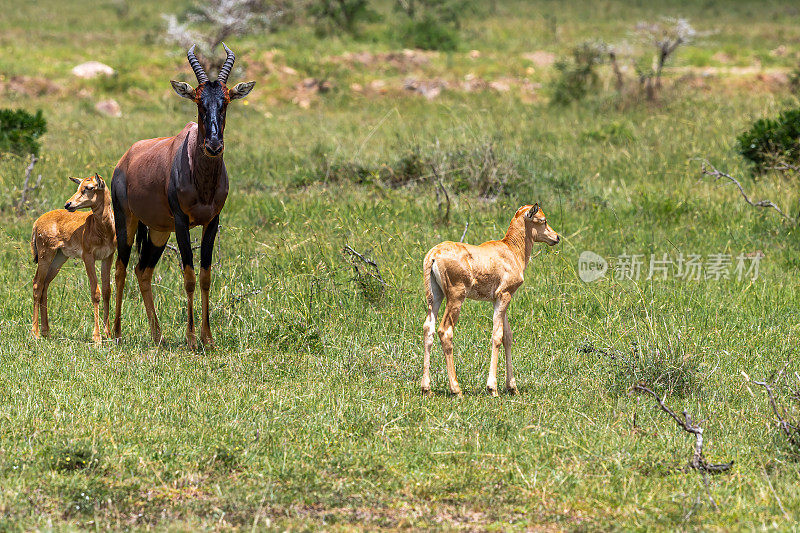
791, 431
354, 257
698, 461
710, 170
26, 188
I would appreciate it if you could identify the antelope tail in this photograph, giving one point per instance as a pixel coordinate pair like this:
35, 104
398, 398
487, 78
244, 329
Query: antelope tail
433, 291
33, 247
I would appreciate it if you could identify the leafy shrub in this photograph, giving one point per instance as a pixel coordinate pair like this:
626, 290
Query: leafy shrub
293, 334
665, 368
431, 24
332, 15
466, 168
71, 457
429, 34
577, 74
772, 140
20, 131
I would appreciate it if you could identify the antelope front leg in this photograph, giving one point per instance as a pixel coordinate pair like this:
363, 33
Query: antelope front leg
500, 306
88, 261
105, 280
187, 260
206, 253
511, 383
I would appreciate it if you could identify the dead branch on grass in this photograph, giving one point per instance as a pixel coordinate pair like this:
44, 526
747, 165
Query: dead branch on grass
710, 170
367, 274
698, 461
791, 431
26, 187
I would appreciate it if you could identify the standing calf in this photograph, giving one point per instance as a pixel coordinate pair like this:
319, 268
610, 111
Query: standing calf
64, 233
492, 271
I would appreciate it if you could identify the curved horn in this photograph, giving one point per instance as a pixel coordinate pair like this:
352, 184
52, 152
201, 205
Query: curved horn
227, 66
196, 66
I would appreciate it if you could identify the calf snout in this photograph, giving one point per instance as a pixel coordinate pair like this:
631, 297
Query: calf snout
68, 206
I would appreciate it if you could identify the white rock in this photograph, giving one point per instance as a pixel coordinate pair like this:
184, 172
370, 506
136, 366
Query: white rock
92, 69
109, 108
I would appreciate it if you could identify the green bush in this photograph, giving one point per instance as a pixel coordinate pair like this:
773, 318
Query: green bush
429, 34
333, 15
20, 131
772, 140
432, 24
576, 75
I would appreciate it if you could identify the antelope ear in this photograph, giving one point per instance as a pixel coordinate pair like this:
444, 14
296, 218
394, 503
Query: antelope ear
241, 90
100, 183
77, 181
183, 89
534, 210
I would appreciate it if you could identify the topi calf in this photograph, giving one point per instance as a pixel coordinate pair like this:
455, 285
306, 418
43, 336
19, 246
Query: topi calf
492, 271
64, 233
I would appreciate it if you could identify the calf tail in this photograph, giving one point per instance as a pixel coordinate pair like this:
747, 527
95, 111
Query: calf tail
33, 246
433, 291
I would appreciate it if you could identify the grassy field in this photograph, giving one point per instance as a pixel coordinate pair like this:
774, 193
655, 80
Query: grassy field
308, 414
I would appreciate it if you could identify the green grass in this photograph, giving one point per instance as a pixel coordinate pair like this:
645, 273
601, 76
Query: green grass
308, 414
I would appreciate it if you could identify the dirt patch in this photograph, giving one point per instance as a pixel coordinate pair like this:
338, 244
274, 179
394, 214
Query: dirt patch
540, 58
28, 86
431, 88
403, 61
307, 91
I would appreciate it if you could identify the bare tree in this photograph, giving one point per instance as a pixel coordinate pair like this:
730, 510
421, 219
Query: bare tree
210, 22
27, 188
666, 37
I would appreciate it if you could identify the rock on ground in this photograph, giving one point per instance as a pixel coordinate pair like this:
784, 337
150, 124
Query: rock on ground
92, 69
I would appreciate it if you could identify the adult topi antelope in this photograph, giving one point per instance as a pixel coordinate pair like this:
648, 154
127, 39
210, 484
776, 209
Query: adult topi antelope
172, 184
492, 271
64, 233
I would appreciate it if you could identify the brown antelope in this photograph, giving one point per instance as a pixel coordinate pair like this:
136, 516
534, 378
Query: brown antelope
492, 271
172, 184
64, 233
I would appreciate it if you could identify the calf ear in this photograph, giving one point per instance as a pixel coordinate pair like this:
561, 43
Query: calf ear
100, 183
241, 90
183, 89
533, 210
76, 180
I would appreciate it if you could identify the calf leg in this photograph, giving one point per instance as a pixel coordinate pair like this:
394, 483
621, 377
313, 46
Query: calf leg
152, 248
39, 278
55, 266
428, 329
88, 261
511, 383
500, 306
447, 325
105, 279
